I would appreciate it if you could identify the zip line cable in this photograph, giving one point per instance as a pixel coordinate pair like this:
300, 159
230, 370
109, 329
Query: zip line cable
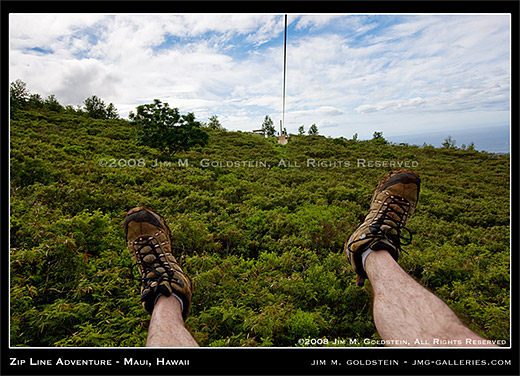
284, 73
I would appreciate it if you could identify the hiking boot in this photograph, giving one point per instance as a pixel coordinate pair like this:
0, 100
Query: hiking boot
394, 200
148, 239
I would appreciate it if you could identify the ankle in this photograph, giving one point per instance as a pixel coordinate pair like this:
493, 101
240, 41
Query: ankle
376, 260
174, 296
172, 304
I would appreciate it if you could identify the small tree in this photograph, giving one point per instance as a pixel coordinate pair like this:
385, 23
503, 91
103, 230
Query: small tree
163, 128
267, 126
313, 130
214, 123
355, 137
18, 93
51, 103
111, 112
96, 108
35, 101
378, 138
448, 143
301, 130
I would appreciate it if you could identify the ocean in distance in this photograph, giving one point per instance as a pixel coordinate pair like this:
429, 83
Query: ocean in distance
491, 139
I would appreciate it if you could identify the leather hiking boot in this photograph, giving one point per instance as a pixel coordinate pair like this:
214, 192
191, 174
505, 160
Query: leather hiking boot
394, 200
148, 239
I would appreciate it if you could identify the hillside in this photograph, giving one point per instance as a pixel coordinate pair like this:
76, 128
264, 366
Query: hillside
259, 228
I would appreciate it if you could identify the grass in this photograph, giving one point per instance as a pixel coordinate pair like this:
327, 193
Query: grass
262, 243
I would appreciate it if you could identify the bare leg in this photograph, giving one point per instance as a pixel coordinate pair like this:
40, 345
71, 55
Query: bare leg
167, 326
405, 310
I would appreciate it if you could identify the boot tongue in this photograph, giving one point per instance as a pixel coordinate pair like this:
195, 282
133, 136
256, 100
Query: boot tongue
383, 228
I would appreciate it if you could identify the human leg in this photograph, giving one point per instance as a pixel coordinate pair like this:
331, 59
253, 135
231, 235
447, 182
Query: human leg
165, 289
166, 327
403, 309
409, 314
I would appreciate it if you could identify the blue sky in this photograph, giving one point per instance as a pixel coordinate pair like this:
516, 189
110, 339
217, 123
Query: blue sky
399, 74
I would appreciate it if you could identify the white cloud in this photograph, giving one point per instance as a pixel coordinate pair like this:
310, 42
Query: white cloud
313, 22
343, 71
28, 30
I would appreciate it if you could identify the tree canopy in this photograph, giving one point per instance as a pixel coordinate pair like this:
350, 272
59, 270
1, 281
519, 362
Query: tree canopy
165, 129
97, 109
313, 130
268, 127
18, 93
214, 123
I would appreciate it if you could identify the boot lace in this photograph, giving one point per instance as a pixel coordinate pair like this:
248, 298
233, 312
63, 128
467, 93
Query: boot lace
388, 224
142, 243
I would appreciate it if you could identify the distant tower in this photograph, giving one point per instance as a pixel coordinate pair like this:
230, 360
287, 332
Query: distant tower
282, 139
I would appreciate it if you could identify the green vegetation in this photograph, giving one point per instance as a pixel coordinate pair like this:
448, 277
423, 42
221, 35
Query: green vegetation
313, 130
268, 127
165, 129
214, 123
97, 109
449, 143
261, 238
377, 138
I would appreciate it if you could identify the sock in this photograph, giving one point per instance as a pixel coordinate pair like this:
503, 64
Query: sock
180, 301
172, 294
365, 255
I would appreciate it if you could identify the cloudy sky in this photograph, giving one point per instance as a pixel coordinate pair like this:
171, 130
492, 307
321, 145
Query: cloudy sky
348, 74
